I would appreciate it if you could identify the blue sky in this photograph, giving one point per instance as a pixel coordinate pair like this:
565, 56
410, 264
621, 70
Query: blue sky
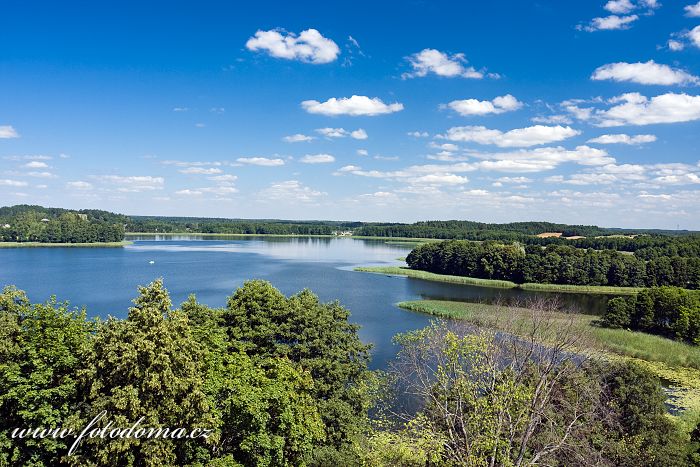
577, 112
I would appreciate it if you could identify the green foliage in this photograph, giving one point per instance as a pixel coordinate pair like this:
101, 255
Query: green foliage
25, 223
275, 406
42, 348
668, 311
554, 264
316, 336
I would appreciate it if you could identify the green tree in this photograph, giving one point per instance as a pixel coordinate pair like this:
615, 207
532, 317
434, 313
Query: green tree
42, 349
317, 336
149, 366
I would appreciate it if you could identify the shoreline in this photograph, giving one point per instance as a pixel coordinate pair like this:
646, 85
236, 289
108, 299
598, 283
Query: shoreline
359, 237
499, 284
65, 245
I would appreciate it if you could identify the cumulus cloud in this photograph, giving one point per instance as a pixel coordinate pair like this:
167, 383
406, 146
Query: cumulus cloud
636, 109
623, 139
200, 171
621, 17
7, 132
362, 152
79, 185
644, 73
297, 138
309, 46
418, 134
611, 22
290, 191
692, 11
15, 183
342, 133
519, 137
36, 165
188, 192
353, 106
499, 105
694, 36
133, 184
262, 161
317, 159
441, 64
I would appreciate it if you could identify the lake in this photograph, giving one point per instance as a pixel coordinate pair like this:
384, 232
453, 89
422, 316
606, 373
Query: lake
105, 279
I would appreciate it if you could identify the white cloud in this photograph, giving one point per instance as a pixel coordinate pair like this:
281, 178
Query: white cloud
36, 165
41, 174
438, 179
6, 182
519, 137
317, 159
553, 119
643, 73
359, 134
635, 109
228, 178
180, 109
433, 61
498, 105
418, 134
514, 180
188, 192
692, 10
541, 159
623, 139
342, 133
675, 45
297, 138
219, 190
684, 179
694, 36
619, 6
353, 106
7, 132
80, 185
611, 22
309, 46
289, 191
133, 184
362, 152
200, 171
263, 161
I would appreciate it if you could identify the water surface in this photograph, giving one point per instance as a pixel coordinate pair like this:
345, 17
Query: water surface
105, 279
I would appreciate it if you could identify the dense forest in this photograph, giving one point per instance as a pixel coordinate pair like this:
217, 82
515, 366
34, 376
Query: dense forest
235, 226
557, 264
271, 380
25, 223
667, 311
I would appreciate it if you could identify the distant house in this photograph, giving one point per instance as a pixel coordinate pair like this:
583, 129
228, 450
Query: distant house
344, 233
44, 220
82, 216
6, 226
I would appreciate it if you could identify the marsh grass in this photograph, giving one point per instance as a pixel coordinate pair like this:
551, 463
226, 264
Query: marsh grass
404, 271
677, 364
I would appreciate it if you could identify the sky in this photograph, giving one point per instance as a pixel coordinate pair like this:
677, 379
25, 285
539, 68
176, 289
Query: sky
581, 112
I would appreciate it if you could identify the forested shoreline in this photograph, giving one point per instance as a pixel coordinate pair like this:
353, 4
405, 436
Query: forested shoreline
558, 264
283, 381
24, 224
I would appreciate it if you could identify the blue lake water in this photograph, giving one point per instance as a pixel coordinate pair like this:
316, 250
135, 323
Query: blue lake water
105, 279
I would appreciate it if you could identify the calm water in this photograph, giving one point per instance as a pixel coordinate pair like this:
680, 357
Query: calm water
105, 279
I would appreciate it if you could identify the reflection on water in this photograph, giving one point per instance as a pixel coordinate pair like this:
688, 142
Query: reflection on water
105, 279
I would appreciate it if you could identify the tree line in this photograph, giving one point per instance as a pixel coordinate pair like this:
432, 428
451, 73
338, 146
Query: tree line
667, 311
553, 264
53, 225
284, 381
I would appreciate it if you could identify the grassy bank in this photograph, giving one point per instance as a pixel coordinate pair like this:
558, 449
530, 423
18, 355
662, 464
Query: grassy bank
64, 245
560, 288
403, 271
675, 362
